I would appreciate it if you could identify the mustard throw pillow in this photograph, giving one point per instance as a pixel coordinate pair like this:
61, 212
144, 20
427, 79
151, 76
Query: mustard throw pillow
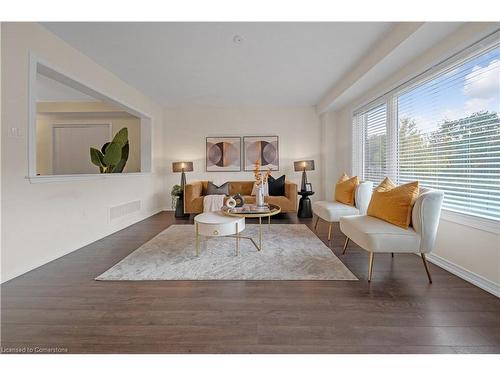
345, 189
393, 203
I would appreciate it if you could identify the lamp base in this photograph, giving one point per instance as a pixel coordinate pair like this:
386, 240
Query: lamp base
304, 181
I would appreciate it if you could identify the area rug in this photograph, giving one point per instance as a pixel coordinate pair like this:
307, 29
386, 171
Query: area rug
290, 252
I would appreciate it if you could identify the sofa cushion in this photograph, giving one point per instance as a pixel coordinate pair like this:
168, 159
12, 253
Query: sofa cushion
393, 203
240, 187
345, 189
333, 211
213, 189
276, 186
377, 235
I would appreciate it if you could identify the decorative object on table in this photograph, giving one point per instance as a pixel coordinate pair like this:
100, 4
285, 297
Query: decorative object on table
276, 186
303, 166
261, 179
181, 166
223, 154
112, 156
305, 210
213, 189
309, 186
264, 150
240, 201
231, 203
265, 187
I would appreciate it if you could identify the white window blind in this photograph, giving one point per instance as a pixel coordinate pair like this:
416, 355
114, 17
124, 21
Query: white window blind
448, 134
371, 126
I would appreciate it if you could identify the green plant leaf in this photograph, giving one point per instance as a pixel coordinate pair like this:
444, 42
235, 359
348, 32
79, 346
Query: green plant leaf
121, 164
113, 154
103, 148
97, 158
121, 137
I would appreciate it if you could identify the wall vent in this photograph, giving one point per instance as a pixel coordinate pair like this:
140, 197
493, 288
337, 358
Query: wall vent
125, 209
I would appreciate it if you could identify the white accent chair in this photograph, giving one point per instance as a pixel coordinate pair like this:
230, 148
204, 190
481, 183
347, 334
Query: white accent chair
378, 236
332, 211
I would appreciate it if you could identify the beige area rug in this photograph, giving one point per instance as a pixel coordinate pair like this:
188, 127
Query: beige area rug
290, 252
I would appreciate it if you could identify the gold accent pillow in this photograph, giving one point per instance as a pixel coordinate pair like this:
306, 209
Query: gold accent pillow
393, 203
345, 189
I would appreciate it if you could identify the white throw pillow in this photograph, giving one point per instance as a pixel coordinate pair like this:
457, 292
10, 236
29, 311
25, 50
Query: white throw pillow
266, 189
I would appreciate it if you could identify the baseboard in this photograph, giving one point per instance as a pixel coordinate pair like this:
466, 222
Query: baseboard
471, 277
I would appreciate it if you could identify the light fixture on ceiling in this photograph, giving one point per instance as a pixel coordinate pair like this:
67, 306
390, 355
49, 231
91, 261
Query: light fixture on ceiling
237, 39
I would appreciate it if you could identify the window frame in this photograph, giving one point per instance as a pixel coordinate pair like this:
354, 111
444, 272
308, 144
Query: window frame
390, 98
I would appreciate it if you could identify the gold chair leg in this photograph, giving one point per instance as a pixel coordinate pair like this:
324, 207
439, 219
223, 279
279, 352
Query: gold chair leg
424, 260
330, 231
237, 240
345, 245
316, 224
370, 267
197, 241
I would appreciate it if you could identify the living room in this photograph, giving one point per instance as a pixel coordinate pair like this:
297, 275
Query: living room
250, 187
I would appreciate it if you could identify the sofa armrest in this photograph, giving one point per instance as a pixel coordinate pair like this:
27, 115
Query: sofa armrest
291, 193
425, 217
191, 191
363, 195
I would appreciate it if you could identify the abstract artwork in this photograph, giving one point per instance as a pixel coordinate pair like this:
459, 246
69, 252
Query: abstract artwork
262, 149
223, 154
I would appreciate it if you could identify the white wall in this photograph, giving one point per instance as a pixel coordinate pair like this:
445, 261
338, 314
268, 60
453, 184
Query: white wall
44, 221
298, 130
472, 250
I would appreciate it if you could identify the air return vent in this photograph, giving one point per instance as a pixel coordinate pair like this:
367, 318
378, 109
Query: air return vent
125, 209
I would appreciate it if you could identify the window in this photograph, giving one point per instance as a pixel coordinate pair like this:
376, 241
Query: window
446, 134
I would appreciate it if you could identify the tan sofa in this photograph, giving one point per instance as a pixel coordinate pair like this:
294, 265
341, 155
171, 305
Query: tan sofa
195, 191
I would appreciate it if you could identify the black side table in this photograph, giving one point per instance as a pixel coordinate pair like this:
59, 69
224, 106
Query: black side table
179, 208
305, 210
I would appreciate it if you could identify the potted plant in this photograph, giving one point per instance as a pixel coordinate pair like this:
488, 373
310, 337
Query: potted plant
176, 193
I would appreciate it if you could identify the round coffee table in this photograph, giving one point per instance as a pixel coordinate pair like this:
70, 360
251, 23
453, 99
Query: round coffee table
273, 210
216, 224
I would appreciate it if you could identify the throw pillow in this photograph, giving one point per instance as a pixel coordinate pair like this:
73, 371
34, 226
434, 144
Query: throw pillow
213, 189
266, 189
345, 189
276, 186
393, 203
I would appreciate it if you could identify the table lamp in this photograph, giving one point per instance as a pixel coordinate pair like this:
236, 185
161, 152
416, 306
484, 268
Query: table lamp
182, 166
303, 166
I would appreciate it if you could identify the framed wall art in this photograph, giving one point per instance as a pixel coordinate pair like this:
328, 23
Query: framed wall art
264, 149
223, 154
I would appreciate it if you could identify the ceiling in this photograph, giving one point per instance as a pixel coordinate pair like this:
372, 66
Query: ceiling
200, 64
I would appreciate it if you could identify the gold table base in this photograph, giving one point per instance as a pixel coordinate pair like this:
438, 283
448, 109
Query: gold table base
238, 237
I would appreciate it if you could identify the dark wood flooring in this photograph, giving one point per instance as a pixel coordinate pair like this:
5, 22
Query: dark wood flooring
59, 305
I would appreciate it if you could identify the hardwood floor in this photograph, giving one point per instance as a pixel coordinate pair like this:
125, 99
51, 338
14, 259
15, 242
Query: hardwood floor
59, 305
